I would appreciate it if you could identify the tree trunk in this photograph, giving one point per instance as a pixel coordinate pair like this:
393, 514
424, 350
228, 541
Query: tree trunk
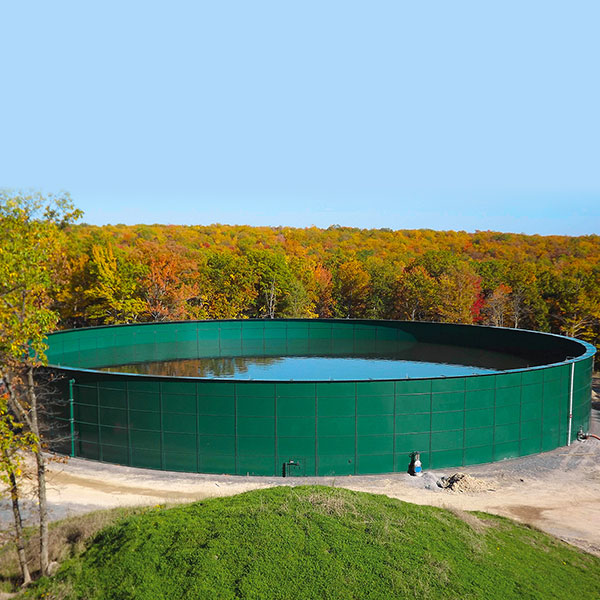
271, 297
41, 473
518, 307
19, 541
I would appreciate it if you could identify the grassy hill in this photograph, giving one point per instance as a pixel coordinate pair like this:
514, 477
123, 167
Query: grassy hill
315, 542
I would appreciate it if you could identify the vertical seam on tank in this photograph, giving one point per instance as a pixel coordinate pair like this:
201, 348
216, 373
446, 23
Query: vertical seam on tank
154, 335
160, 416
235, 429
76, 447
464, 444
331, 337
566, 426
197, 427
394, 433
197, 348
316, 432
569, 368
521, 414
560, 409
100, 453
566, 405
242, 338
494, 420
159, 393
128, 423
561, 419
355, 428
542, 419
572, 367
276, 458
430, 423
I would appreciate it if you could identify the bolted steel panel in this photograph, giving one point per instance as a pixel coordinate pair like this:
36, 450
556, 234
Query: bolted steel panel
325, 427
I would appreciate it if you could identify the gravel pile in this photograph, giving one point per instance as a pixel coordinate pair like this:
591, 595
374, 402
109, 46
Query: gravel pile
463, 483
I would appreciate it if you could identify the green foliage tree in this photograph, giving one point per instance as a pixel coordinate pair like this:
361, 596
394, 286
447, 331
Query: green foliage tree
273, 283
352, 289
14, 440
383, 276
230, 289
416, 295
298, 302
115, 291
575, 305
30, 227
438, 262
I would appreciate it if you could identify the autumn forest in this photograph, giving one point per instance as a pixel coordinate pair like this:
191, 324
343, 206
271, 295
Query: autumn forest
123, 274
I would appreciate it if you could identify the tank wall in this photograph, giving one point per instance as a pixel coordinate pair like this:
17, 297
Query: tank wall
326, 428
89, 348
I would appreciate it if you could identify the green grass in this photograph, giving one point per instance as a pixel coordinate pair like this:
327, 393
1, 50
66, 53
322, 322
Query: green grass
67, 538
315, 542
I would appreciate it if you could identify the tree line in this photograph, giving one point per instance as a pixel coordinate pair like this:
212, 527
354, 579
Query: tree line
122, 274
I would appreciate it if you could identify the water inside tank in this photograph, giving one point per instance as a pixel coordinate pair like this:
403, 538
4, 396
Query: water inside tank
418, 360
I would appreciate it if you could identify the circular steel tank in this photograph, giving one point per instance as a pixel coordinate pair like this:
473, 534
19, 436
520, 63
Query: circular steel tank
308, 428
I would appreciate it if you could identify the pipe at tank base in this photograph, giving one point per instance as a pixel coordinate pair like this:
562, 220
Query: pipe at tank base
571, 403
581, 435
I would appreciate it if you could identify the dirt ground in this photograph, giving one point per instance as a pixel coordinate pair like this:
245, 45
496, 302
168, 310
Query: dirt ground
557, 492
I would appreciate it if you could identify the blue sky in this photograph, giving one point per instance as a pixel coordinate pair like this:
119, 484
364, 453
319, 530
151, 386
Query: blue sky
442, 115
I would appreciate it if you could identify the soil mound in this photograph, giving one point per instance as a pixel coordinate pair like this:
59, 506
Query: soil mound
463, 483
